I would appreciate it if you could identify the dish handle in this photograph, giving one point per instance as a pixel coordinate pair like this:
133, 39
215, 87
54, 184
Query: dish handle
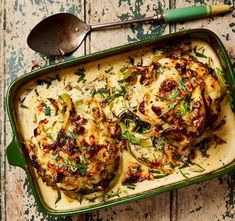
14, 154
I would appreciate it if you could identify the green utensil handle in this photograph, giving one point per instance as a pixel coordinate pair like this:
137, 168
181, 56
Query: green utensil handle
14, 154
183, 14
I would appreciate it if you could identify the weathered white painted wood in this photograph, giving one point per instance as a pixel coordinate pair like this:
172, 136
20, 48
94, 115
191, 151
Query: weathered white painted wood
111, 10
2, 116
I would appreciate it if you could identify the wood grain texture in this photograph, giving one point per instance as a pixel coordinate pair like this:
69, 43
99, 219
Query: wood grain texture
210, 200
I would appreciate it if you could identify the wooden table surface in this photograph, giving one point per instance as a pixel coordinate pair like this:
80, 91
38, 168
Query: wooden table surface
210, 200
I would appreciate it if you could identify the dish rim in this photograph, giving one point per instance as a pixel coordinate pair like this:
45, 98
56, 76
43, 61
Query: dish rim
17, 157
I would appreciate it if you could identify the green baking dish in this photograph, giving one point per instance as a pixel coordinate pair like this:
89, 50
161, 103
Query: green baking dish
16, 153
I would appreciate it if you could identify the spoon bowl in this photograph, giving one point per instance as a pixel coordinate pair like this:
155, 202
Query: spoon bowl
58, 34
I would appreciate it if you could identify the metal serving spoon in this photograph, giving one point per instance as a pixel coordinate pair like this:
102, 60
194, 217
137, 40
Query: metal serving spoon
62, 33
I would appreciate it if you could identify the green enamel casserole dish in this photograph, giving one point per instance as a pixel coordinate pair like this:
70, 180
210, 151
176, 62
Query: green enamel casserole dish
16, 152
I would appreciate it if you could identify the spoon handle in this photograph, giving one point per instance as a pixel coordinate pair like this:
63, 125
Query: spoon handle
172, 15
156, 18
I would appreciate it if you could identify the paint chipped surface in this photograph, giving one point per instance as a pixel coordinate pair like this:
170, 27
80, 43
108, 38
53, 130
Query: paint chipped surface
210, 200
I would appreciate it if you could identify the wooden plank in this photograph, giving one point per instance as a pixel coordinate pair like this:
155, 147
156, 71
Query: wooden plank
2, 115
21, 16
214, 199
111, 10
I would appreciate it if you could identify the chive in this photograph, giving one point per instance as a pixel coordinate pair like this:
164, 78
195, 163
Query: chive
22, 101
160, 176
47, 110
163, 98
171, 107
156, 171
56, 157
44, 81
184, 107
36, 92
24, 106
182, 85
113, 194
109, 70
81, 73
67, 162
220, 76
58, 197
35, 118
130, 187
199, 170
183, 174
120, 93
198, 54
128, 136
100, 91
82, 168
175, 94
123, 69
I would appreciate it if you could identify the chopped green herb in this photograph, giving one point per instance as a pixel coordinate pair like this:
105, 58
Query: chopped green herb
67, 162
123, 69
175, 94
183, 174
82, 168
160, 176
24, 106
198, 54
163, 98
101, 91
171, 107
81, 73
113, 194
128, 136
56, 157
220, 76
120, 93
36, 92
203, 147
184, 107
129, 185
109, 70
200, 169
44, 81
182, 85
47, 110
58, 197
156, 171
22, 101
